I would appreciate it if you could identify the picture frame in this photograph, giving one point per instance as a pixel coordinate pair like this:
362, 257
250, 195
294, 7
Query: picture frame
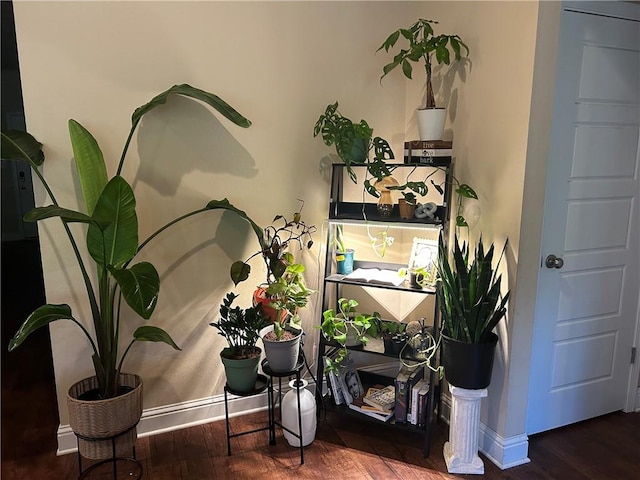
424, 255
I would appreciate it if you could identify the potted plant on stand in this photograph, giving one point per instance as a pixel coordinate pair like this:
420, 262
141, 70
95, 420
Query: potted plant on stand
107, 405
423, 46
471, 305
240, 327
284, 292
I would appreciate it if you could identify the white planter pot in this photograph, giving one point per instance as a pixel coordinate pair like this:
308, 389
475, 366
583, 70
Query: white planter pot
431, 123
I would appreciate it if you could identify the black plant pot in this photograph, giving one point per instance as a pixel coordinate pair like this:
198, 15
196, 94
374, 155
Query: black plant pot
468, 365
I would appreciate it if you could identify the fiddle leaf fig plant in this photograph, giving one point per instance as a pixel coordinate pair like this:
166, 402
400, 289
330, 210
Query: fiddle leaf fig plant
111, 241
423, 45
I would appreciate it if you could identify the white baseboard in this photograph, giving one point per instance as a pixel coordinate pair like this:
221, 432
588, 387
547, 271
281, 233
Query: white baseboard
503, 452
181, 415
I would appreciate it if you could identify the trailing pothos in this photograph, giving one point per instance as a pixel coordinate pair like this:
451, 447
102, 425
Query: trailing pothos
111, 240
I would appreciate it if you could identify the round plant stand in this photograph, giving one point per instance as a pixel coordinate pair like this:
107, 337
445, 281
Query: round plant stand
135, 465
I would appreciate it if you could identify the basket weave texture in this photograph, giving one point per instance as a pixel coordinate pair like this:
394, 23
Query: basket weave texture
103, 419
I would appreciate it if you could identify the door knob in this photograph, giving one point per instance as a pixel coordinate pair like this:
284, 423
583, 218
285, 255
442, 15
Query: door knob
553, 262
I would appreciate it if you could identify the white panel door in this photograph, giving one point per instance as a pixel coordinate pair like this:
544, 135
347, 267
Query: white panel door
587, 304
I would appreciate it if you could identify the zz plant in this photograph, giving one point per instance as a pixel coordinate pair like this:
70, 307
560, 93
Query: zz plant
111, 240
240, 328
471, 302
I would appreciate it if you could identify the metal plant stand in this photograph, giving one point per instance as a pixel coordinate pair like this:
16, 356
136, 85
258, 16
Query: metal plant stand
114, 459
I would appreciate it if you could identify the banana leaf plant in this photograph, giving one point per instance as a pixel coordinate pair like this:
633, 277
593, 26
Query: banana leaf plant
469, 295
111, 240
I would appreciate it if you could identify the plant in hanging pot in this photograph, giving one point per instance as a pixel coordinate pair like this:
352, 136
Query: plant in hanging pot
423, 46
240, 327
110, 402
284, 293
471, 304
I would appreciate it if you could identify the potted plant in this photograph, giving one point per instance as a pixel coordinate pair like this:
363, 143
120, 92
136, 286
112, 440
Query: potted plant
284, 292
240, 327
424, 46
110, 402
346, 327
393, 336
471, 304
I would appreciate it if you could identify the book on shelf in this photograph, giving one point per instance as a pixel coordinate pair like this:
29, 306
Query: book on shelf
359, 406
422, 144
333, 381
349, 380
428, 152
428, 160
406, 378
414, 407
376, 275
383, 399
423, 396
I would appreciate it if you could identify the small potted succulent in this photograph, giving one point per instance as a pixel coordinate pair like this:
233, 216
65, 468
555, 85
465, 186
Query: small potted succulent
284, 292
240, 327
426, 47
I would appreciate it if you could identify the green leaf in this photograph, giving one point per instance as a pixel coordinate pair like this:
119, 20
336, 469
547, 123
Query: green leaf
41, 317
240, 272
23, 147
118, 242
51, 211
89, 164
461, 222
188, 91
149, 333
226, 205
465, 190
140, 285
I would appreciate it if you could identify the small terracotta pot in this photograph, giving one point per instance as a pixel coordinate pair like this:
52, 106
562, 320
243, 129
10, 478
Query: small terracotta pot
406, 209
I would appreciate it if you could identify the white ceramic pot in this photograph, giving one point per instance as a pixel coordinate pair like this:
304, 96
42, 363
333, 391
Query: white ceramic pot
431, 123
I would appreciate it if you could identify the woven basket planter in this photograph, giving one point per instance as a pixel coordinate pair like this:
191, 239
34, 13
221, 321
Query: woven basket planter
104, 419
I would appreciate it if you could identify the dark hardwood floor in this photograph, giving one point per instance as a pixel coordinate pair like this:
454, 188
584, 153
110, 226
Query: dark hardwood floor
607, 447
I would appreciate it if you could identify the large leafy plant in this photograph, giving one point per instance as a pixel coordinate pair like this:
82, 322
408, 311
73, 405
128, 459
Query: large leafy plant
111, 240
423, 46
471, 302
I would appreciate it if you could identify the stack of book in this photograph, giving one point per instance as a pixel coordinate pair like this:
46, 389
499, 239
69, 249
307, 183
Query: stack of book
407, 377
378, 403
428, 152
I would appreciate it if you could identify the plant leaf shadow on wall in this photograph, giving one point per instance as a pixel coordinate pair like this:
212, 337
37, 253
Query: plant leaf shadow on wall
191, 139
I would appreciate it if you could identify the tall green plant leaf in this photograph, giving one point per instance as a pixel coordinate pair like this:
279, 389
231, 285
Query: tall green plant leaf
41, 317
70, 216
118, 242
21, 146
188, 91
89, 164
226, 205
150, 333
140, 285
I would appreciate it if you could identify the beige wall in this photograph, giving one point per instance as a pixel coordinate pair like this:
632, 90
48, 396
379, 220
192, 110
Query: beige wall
279, 64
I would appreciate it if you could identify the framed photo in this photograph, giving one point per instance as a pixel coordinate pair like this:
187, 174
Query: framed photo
424, 255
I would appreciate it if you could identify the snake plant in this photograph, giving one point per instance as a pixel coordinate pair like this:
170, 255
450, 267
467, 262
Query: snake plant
469, 292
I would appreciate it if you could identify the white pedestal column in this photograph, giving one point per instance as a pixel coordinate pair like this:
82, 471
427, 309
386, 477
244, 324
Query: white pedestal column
461, 451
